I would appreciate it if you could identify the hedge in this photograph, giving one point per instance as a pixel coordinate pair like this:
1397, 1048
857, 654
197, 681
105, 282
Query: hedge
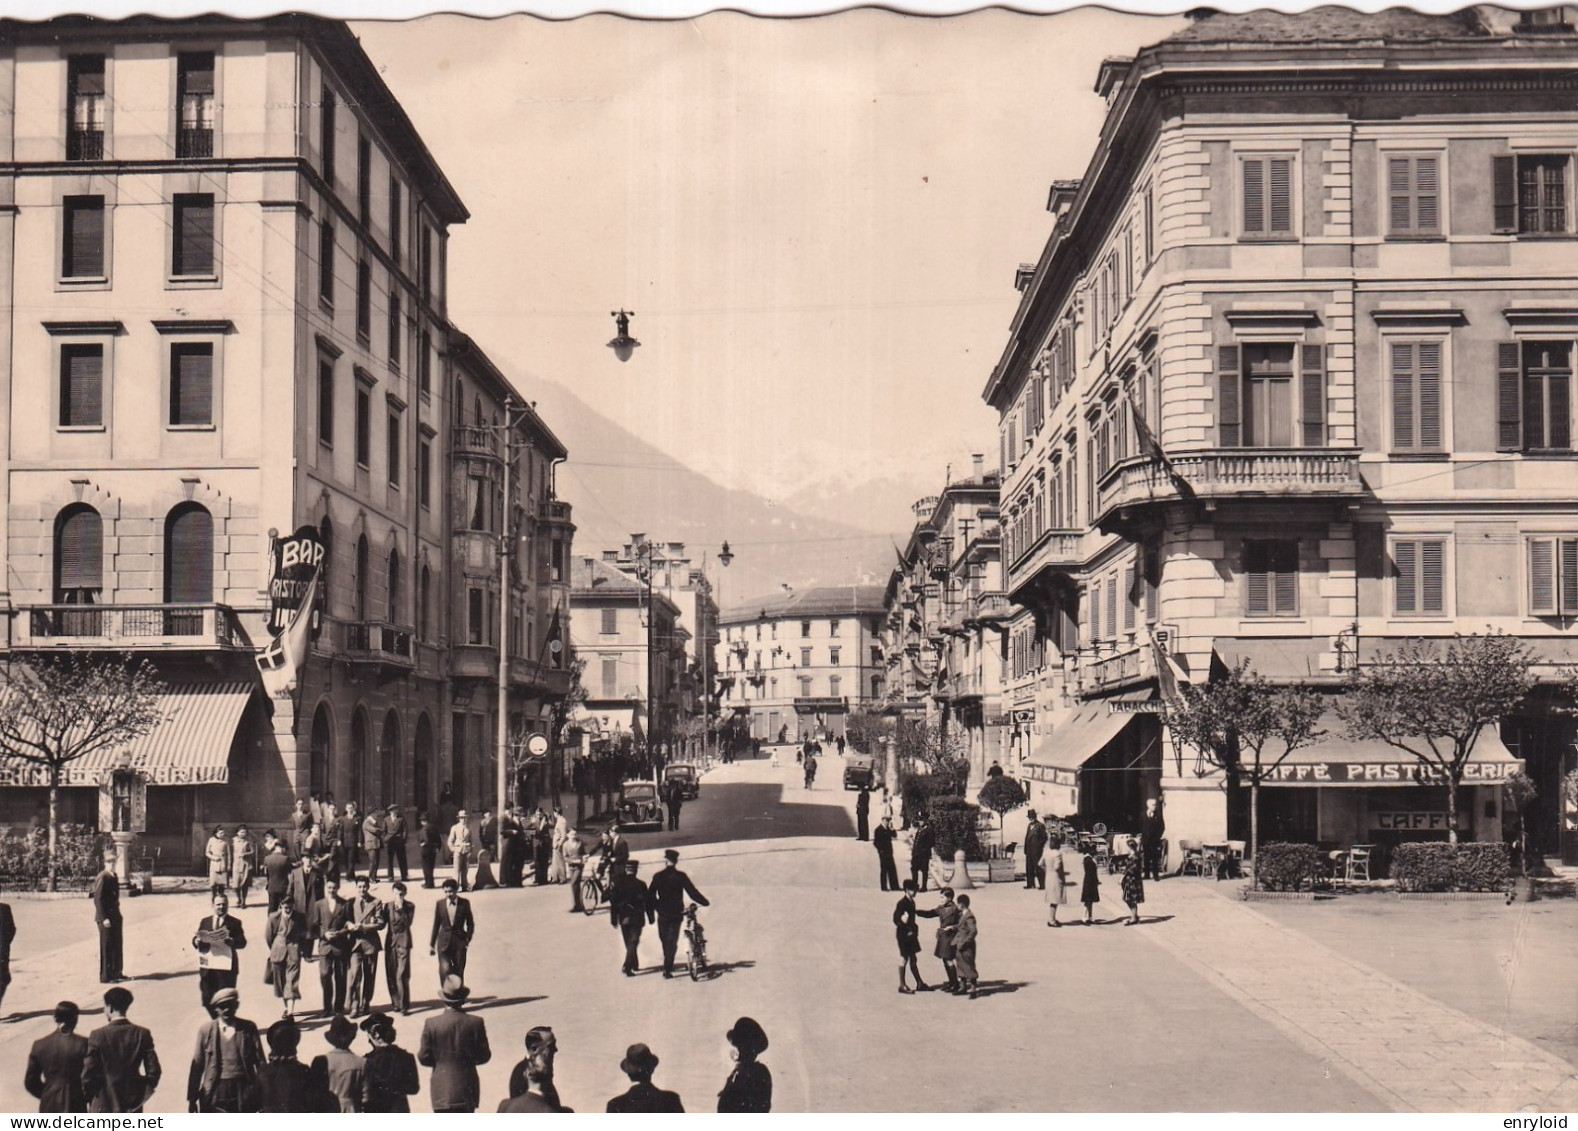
954, 821
1439, 866
1286, 867
24, 858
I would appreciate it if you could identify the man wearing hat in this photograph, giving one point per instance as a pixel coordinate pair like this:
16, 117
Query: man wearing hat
453, 929
643, 1096
668, 892
121, 1070
227, 1060
343, 1069
749, 1087
394, 841
391, 1071
629, 910
531, 1081
54, 1064
453, 1044
1035, 848
285, 1085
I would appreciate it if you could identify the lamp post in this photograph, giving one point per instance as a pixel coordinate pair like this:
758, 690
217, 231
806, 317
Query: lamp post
641, 554
622, 344
708, 747
513, 414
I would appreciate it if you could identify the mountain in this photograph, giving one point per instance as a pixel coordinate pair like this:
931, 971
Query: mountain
881, 504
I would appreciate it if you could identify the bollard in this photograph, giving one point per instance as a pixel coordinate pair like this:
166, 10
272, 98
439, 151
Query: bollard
961, 875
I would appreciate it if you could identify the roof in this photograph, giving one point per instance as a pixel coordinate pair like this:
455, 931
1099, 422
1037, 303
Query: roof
592, 580
1330, 24
464, 349
825, 601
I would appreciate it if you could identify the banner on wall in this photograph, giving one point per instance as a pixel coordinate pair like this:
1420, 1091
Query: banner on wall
294, 620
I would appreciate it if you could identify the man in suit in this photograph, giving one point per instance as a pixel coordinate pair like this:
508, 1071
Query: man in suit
453, 1044
643, 1096
1152, 828
395, 837
106, 895
121, 1069
276, 871
1035, 848
630, 910
863, 813
399, 914
350, 840
286, 937
330, 928
428, 842
7, 935
882, 841
617, 850
367, 924
219, 936
488, 842
54, 1066
667, 894
373, 840
453, 928
305, 888
227, 1060
920, 855
460, 849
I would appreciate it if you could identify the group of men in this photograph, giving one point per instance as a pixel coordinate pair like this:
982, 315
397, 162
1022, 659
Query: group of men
922, 842
634, 904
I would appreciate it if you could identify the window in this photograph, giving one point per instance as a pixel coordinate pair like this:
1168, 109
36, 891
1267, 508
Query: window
424, 474
79, 556
477, 501
364, 301
805, 687
327, 134
805, 628
395, 329
1271, 572
426, 265
610, 677
326, 402
876, 655
364, 179
805, 657
1413, 195
82, 237
82, 386
192, 246
393, 448
1267, 194
1112, 606
1416, 396
475, 618
1259, 405
425, 364
359, 581
364, 425
424, 602
1553, 576
833, 684
1530, 193
194, 86
188, 565
191, 385
1419, 577
1131, 597
876, 687
85, 109
326, 263
610, 621
1534, 396
395, 596
832, 627
396, 218
832, 656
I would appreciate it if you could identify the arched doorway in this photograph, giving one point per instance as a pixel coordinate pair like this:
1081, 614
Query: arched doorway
389, 760
322, 751
358, 783
79, 570
188, 567
422, 763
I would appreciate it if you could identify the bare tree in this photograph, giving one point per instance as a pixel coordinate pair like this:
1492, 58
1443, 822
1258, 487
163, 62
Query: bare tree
56, 711
1433, 701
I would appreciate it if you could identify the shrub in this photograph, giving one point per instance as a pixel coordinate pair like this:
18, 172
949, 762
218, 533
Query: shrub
954, 821
1286, 867
1439, 866
24, 858
919, 791
1001, 795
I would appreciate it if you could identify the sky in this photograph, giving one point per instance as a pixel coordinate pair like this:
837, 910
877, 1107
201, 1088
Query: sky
816, 222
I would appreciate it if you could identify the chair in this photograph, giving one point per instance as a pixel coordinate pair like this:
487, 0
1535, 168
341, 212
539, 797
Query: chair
1359, 862
1193, 857
1235, 857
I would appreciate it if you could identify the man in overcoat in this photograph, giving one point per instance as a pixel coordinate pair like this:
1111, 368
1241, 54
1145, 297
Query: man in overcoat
121, 1069
863, 813
630, 910
1035, 849
920, 854
373, 830
106, 895
227, 1060
453, 1044
276, 873
453, 930
1152, 828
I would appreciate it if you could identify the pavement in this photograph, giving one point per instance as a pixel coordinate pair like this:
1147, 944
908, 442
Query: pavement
1210, 1004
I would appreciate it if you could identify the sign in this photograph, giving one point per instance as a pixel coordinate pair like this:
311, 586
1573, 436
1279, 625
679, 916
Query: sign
296, 562
1385, 773
1142, 707
537, 745
1025, 715
1056, 775
1416, 822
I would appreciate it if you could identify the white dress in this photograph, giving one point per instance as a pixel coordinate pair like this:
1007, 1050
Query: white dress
1057, 881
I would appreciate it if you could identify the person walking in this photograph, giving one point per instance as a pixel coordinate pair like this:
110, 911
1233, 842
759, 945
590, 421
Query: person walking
395, 837
629, 911
453, 930
964, 938
907, 932
218, 940
1133, 882
227, 1060
306, 885
55, 1063
674, 801
574, 866
920, 854
285, 1086
106, 896
390, 1071
810, 770
7, 937
217, 853
863, 813
243, 864
120, 1070
330, 928
372, 833
1035, 848
639, 1065
531, 1081
286, 936
1153, 827
557, 871
276, 872
460, 849
345, 1072
1090, 885
749, 1088
667, 894
428, 842
399, 916
453, 1044
887, 869
366, 926
947, 915
1057, 890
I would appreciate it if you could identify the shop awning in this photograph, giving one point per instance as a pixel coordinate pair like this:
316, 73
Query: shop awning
1277, 658
1079, 737
190, 746
1337, 761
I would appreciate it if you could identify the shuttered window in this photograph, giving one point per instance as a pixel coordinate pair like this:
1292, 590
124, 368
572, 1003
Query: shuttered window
1413, 195
79, 555
396, 219
1229, 409
192, 252
327, 133
1131, 597
1112, 605
82, 386
393, 448
396, 328
1419, 577
1416, 396
610, 621
326, 262
1271, 571
326, 402
191, 384
1553, 576
82, 237
1546, 401
424, 474
364, 425
364, 301
189, 556
1267, 191
85, 110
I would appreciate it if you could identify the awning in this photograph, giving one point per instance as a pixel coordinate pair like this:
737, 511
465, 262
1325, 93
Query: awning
1079, 737
190, 746
1337, 761
1276, 658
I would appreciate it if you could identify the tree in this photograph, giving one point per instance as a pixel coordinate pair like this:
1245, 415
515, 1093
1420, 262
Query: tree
1519, 792
940, 753
1002, 795
1232, 721
1433, 702
58, 710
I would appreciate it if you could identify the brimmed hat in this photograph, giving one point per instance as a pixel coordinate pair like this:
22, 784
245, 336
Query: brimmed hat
374, 1020
638, 1059
283, 1036
671, 854
341, 1032
454, 989
226, 996
748, 1037
632, 865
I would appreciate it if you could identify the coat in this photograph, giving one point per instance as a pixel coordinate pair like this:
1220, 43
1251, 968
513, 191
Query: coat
218, 853
453, 1044
882, 841
330, 927
243, 861
121, 1070
373, 833
346, 1073
290, 1087
452, 930
964, 936
276, 872
920, 849
285, 941
749, 1088
1035, 840
107, 897
645, 1098
367, 924
204, 1077
667, 893
947, 916
460, 840
54, 1072
1090, 889
399, 918
629, 902
390, 1078
7, 932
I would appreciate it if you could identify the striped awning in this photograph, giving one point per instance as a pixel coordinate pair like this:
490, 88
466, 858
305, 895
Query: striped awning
190, 746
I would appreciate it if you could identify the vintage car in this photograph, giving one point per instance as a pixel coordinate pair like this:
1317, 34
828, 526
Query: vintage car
687, 776
859, 771
638, 805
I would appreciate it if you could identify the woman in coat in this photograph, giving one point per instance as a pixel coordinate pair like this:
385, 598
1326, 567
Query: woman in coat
286, 936
1134, 882
243, 864
1090, 889
907, 932
1057, 887
964, 936
217, 852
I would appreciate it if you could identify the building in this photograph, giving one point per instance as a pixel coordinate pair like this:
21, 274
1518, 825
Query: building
797, 665
1290, 382
236, 327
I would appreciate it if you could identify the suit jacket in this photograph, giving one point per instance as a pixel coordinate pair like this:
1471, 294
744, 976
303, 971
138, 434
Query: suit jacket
394, 829
121, 1070
428, 838
331, 926
367, 920
285, 942
460, 839
1035, 840
863, 802
488, 834
645, 1098
667, 893
373, 832
399, 919
390, 1077
749, 1088
629, 902
452, 933
7, 932
620, 852
529, 1103
882, 840
347, 1076
453, 1044
204, 1076
920, 850
965, 933
54, 1072
276, 872
106, 895
349, 830
289, 1087
238, 939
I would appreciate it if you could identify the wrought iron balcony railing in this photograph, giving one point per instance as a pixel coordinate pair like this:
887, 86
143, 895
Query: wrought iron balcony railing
132, 627
194, 142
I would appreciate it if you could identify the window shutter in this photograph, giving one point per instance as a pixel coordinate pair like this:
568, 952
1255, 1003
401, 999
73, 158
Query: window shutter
1429, 376
1285, 580
192, 384
1153, 576
1542, 576
1112, 605
1403, 430
1398, 195
1131, 597
1257, 567
1509, 400
1504, 194
1314, 394
1405, 561
1229, 395
1567, 562
189, 557
1560, 409
1432, 577
79, 542
84, 237
1254, 174
81, 386
1280, 171
194, 235
1093, 599
610, 621
1427, 190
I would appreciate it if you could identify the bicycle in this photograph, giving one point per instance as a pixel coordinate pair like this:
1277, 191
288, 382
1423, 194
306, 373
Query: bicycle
695, 944
595, 887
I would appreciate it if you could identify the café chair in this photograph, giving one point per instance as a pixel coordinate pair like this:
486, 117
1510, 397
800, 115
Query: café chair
1193, 857
1359, 862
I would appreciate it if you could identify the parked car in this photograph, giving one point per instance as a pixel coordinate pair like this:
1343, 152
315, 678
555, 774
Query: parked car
638, 805
688, 777
859, 771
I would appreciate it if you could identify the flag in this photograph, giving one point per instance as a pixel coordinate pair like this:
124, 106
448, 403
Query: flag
551, 641
279, 663
1149, 448
1169, 672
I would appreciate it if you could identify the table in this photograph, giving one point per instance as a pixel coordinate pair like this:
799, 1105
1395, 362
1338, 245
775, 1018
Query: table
1213, 855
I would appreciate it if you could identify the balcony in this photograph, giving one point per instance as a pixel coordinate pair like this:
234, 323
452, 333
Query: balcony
1056, 551
84, 145
539, 678
129, 627
194, 142
472, 439
554, 510
386, 647
1236, 474
989, 609
1104, 673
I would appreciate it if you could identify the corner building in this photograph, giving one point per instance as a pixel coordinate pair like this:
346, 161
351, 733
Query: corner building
1291, 382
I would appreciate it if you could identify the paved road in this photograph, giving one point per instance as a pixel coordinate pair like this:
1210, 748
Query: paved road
1186, 1012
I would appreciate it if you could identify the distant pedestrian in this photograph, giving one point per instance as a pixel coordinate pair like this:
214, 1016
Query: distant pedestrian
285, 1086
55, 1063
395, 837
920, 854
349, 838
121, 1070
639, 1065
106, 895
863, 813
1133, 882
399, 915
667, 894
390, 1071
562, 832
907, 934
947, 915
487, 852
1090, 886
373, 832
674, 800
749, 1087
306, 884
964, 938
1153, 827
428, 842
217, 852
1035, 848
300, 818
219, 939
810, 771
840, 741
227, 1061
574, 866
243, 864
345, 1071
542, 847
288, 941
512, 858
1057, 889
453, 1044
629, 911
887, 869
460, 849
531, 1081
453, 929
7, 936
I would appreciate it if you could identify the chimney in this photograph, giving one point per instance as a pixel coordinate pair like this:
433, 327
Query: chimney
978, 463
610, 555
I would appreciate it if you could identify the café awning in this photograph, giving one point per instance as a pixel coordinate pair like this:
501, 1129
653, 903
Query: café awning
1278, 659
1079, 737
1335, 760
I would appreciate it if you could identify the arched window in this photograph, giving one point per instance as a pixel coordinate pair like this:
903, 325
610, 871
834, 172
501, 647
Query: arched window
396, 598
188, 567
424, 601
422, 761
326, 533
476, 411
79, 556
360, 611
388, 759
358, 782
322, 750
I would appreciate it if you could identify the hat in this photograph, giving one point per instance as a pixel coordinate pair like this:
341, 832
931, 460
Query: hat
341, 1032
632, 865
394, 808
283, 1036
671, 855
638, 1061
537, 1037
1031, 815
226, 996
454, 990
748, 1037
375, 1020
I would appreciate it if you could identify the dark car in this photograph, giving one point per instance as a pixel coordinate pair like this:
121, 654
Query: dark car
687, 776
859, 771
638, 805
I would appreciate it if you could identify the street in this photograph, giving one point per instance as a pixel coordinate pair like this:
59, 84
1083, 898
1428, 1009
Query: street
1182, 1013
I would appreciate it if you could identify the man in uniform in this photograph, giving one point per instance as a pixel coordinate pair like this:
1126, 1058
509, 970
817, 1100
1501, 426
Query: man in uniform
882, 840
107, 913
630, 910
863, 813
367, 924
667, 894
453, 929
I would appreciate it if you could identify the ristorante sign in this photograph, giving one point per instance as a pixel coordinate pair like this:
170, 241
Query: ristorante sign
1385, 773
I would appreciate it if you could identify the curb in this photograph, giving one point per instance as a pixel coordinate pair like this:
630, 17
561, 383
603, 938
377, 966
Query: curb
1252, 896
1452, 896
